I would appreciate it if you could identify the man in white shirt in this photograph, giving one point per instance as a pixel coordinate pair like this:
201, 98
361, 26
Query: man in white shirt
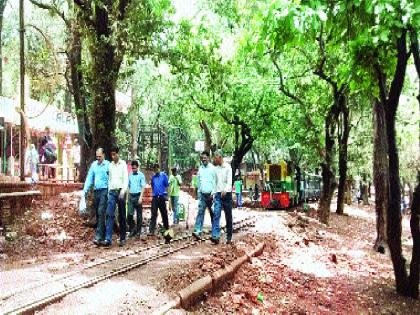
223, 199
117, 187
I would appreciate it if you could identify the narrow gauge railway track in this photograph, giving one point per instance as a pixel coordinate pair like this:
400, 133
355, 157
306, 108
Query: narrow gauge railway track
85, 267
66, 284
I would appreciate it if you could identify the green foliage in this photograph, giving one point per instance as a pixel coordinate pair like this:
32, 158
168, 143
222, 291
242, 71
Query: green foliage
222, 71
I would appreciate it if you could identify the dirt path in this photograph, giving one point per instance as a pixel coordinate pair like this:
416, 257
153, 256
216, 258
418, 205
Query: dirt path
309, 268
306, 268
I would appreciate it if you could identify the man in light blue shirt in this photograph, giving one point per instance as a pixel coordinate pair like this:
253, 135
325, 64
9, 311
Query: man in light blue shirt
136, 184
98, 178
206, 185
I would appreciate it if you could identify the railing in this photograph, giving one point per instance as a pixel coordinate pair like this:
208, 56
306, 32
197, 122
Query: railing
56, 172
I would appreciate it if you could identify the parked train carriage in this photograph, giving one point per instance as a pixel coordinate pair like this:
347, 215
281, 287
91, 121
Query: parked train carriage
285, 187
312, 187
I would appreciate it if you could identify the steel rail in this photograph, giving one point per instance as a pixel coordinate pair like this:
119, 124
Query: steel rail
90, 266
42, 302
96, 264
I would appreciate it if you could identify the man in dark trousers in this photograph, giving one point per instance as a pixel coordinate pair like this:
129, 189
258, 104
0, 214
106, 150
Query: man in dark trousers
159, 185
98, 177
136, 184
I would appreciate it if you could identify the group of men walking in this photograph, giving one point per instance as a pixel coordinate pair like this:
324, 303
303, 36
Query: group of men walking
214, 183
112, 185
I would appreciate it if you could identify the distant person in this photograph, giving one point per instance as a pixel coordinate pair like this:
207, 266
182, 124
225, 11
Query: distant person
75, 152
32, 160
159, 183
223, 199
238, 191
49, 152
206, 186
175, 182
10, 154
136, 184
117, 188
256, 192
98, 178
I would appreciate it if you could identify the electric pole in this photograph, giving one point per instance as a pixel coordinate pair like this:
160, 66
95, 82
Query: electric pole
22, 90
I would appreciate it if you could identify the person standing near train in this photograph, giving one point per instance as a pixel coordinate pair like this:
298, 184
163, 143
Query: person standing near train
223, 199
206, 187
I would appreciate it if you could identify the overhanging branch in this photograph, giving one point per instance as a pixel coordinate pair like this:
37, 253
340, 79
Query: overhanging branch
200, 106
122, 9
319, 71
51, 8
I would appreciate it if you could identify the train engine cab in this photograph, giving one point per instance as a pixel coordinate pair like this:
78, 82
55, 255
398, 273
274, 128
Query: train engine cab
280, 187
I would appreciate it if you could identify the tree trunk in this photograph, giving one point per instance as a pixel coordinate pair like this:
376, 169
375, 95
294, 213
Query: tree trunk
342, 153
237, 158
103, 96
410, 195
394, 202
208, 142
413, 281
365, 193
134, 126
67, 101
328, 186
105, 62
394, 212
348, 196
1, 53
328, 181
164, 152
2, 7
245, 145
79, 95
380, 174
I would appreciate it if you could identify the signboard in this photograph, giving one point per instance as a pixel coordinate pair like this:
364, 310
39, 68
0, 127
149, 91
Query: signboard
40, 116
199, 146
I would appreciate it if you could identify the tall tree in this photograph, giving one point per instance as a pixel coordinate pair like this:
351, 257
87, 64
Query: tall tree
2, 7
294, 33
380, 50
106, 45
380, 175
223, 90
75, 79
110, 29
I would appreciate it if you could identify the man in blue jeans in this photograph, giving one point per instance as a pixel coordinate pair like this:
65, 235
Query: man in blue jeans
223, 199
206, 186
98, 177
118, 184
136, 184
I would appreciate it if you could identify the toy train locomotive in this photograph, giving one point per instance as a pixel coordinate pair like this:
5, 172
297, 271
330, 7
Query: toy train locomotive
285, 186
